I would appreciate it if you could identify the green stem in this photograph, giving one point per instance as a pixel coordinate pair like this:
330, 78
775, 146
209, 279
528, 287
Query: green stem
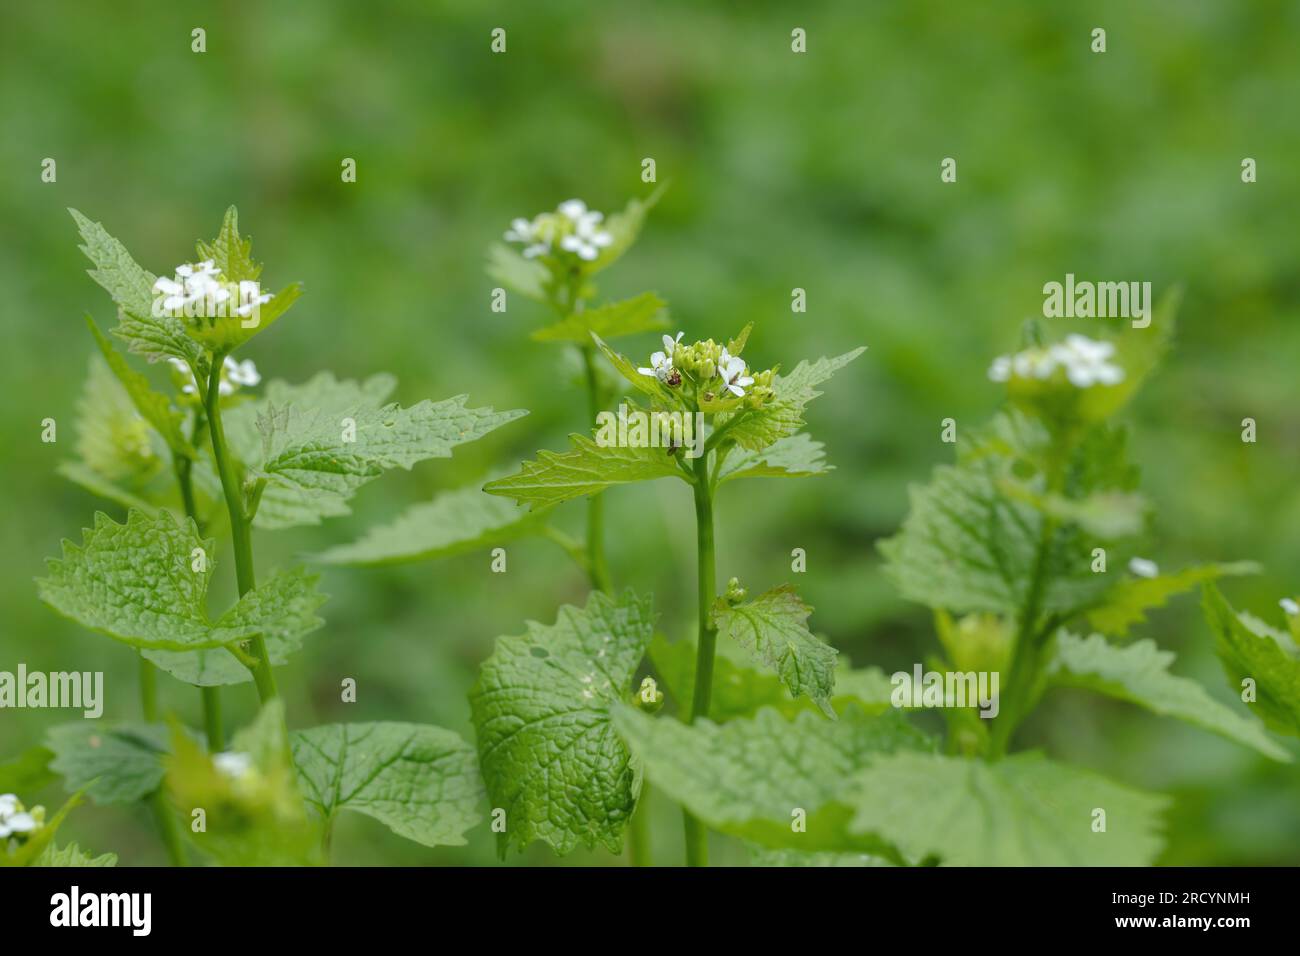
210, 696
638, 839
597, 567
167, 827
240, 524
697, 843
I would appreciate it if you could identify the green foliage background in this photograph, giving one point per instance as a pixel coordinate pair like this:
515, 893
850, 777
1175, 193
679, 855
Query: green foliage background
818, 171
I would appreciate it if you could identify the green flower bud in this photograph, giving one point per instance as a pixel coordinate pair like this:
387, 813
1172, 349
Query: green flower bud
649, 697
735, 594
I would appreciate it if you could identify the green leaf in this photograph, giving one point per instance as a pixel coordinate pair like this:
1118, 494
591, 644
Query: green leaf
1023, 810
525, 276
117, 456
283, 608
27, 772
747, 777
114, 765
624, 227
1250, 650
965, 546
135, 583
646, 384
586, 469
541, 709
300, 438
740, 688
782, 416
231, 253
254, 814
643, 313
72, 856
792, 457
421, 782
154, 407
761, 856
131, 287
1139, 674
773, 629
1128, 601
454, 522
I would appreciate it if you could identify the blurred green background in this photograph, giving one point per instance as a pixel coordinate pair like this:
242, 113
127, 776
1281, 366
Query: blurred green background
819, 171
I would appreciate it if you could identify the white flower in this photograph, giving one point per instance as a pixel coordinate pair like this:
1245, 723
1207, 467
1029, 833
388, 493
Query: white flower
587, 238
529, 233
1085, 362
1290, 606
189, 386
194, 282
1143, 568
241, 373
233, 375
732, 371
233, 764
251, 297
13, 818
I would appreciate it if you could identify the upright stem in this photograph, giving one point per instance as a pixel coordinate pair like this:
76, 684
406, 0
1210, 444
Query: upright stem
210, 696
240, 525
167, 828
598, 568
697, 841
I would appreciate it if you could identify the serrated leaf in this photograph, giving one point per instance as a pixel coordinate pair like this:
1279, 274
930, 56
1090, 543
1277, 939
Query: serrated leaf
300, 438
283, 608
1249, 650
114, 765
741, 687
230, 252
421, 782
646, 384
966, 547
135, 583
73, 856
131, 287
747, 777
773, 630
1023, 810
642, 313
454, 522
792, 457
154, 407
541, 710
117, 456
1128, 601
586, 469
525, 276
782, 416
1139, 674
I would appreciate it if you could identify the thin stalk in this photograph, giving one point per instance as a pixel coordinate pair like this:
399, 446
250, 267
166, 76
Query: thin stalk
597, 567
210, 696
638, 830
697, 838
167, 828
240, 525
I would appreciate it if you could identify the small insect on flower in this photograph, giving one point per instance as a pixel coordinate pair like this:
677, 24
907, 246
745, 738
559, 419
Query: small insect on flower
1143, 568
14, 818
661, 363
734, 374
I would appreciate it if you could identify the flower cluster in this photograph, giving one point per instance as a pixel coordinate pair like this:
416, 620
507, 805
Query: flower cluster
1085, 362
712, 369
572, 228
198, 290
16, 820
233, 375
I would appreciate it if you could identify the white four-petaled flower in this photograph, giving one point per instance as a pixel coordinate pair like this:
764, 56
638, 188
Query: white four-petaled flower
194, 282
732, 370
580, 234
587, 238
